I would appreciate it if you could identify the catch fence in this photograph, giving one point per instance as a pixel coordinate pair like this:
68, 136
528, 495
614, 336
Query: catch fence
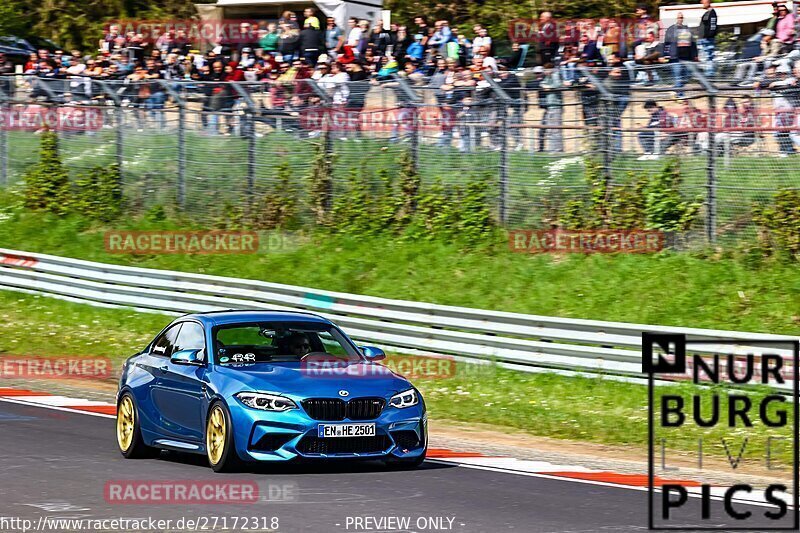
205, 147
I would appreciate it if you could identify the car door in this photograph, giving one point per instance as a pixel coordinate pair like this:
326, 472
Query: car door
180, 389
152, 362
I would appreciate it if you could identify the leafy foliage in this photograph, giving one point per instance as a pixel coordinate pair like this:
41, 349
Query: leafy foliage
409, 187
98, 194
320, 184
779, 223
276, 207
646, 202
47, 185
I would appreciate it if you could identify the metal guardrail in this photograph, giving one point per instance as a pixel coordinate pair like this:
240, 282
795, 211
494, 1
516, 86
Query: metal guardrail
522, 340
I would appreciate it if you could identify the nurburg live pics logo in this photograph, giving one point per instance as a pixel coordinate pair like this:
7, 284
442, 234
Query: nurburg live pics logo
723, 375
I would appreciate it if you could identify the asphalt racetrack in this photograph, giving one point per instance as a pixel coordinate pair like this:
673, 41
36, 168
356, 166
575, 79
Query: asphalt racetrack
58, 464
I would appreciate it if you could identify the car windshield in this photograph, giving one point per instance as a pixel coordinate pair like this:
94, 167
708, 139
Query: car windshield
269, 342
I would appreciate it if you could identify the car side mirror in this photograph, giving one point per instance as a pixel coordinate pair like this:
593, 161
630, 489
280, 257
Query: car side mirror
372, 353
186, 357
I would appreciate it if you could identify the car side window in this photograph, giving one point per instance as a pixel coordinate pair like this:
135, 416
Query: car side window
191, 337
165, 343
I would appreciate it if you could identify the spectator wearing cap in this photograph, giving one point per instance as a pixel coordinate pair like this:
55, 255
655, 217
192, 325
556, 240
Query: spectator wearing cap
416, 50
780, 84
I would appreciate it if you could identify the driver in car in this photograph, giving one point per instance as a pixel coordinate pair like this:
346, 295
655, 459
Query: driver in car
299, 344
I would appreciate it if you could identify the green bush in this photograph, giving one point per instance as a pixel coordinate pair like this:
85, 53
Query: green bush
645, 202
275, 207
779, 223
47, 185
320, 185
98, 194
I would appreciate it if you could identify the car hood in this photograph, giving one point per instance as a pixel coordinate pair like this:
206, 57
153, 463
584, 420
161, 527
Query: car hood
357, 378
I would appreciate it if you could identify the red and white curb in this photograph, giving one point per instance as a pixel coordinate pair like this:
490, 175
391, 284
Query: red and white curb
507, 465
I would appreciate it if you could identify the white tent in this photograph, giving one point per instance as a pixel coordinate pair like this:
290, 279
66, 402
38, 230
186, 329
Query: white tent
341, 10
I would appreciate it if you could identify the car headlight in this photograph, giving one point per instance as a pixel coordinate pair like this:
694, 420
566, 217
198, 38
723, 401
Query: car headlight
266, 402
407, 398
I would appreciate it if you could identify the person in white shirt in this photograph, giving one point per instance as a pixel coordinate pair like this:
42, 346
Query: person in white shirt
488, 61
335, 84
354, 35
481, 38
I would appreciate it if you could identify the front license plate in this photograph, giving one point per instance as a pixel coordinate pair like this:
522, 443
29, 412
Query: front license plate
346, 430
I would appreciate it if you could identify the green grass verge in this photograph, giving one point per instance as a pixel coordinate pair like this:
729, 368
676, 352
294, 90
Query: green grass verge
583, 409
681, 289
216, 170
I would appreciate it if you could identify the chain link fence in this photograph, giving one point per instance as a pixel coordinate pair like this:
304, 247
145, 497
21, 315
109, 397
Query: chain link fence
204, 146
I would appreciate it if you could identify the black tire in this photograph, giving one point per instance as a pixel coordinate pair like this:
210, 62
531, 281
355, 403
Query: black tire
229, 461
137, 449
406, 464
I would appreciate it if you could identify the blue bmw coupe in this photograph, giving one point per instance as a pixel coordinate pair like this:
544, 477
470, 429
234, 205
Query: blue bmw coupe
251, 386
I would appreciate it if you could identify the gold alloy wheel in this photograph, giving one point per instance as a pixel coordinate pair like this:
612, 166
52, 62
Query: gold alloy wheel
125, 423
215, 435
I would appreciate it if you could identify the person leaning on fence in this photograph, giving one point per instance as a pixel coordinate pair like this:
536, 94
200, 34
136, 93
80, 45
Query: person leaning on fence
552, 97
510, 83
649, 52
781, 87
656, 140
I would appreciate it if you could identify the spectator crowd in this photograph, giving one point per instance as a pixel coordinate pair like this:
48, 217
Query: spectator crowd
462, 67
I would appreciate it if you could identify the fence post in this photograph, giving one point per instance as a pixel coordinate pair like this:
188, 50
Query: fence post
251, 155
181, 154
503, 201
120, 116
3, 148
415, 136
711, 176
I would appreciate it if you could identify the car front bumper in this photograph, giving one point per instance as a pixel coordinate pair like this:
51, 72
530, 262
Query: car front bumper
269, 436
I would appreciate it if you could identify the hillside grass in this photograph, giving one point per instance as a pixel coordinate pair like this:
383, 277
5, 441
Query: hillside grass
709, 290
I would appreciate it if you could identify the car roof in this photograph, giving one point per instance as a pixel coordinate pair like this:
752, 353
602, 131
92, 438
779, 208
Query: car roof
218, 318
